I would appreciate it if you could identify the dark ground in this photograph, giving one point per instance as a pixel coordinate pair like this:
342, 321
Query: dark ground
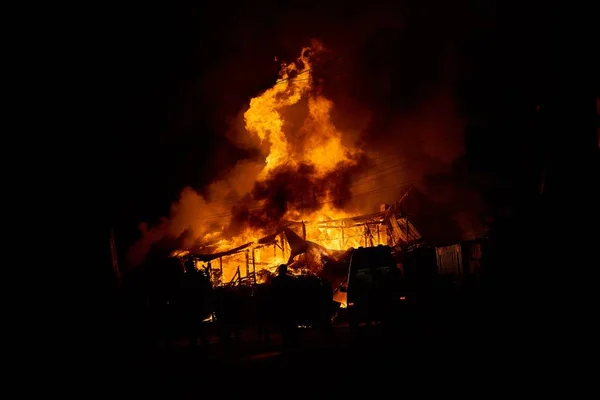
433, 357
316, 363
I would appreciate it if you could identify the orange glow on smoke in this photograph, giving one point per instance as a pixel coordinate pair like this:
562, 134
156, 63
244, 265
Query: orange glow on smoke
317, 143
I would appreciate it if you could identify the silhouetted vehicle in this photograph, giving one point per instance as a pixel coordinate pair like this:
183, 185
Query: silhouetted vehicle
374, 286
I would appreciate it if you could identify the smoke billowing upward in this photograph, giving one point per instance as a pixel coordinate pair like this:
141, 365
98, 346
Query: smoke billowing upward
295, 189
350, 124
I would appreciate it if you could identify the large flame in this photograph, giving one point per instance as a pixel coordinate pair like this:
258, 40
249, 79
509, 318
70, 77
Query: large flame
320, 144
304, 153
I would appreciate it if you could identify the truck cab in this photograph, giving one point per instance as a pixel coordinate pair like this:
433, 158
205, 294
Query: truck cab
373, 286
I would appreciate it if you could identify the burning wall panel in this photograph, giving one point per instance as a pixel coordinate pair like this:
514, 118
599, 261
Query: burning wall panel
343, 238
232, 263
269, 257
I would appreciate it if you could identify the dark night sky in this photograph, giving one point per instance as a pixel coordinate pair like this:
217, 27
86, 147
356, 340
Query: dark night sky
173, 74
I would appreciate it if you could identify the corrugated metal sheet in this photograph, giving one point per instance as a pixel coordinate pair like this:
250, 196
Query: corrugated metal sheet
449, 259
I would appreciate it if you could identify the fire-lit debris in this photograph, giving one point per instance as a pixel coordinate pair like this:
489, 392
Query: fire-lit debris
308, 246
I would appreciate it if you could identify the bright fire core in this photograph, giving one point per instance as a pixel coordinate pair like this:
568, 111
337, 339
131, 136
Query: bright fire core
292, 121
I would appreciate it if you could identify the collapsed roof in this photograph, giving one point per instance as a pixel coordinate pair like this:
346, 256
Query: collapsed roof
400, 232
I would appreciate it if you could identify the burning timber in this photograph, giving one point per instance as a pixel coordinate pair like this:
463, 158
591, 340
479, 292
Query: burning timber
307, 246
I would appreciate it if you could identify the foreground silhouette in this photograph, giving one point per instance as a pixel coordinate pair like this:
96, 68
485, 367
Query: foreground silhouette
284, 298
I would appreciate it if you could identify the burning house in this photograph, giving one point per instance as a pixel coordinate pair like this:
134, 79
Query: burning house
309, 245
302, 204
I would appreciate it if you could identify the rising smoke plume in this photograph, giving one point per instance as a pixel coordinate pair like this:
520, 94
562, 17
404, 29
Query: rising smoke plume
361, 126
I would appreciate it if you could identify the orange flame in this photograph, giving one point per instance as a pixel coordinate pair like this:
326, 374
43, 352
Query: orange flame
316, 143
321, 146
